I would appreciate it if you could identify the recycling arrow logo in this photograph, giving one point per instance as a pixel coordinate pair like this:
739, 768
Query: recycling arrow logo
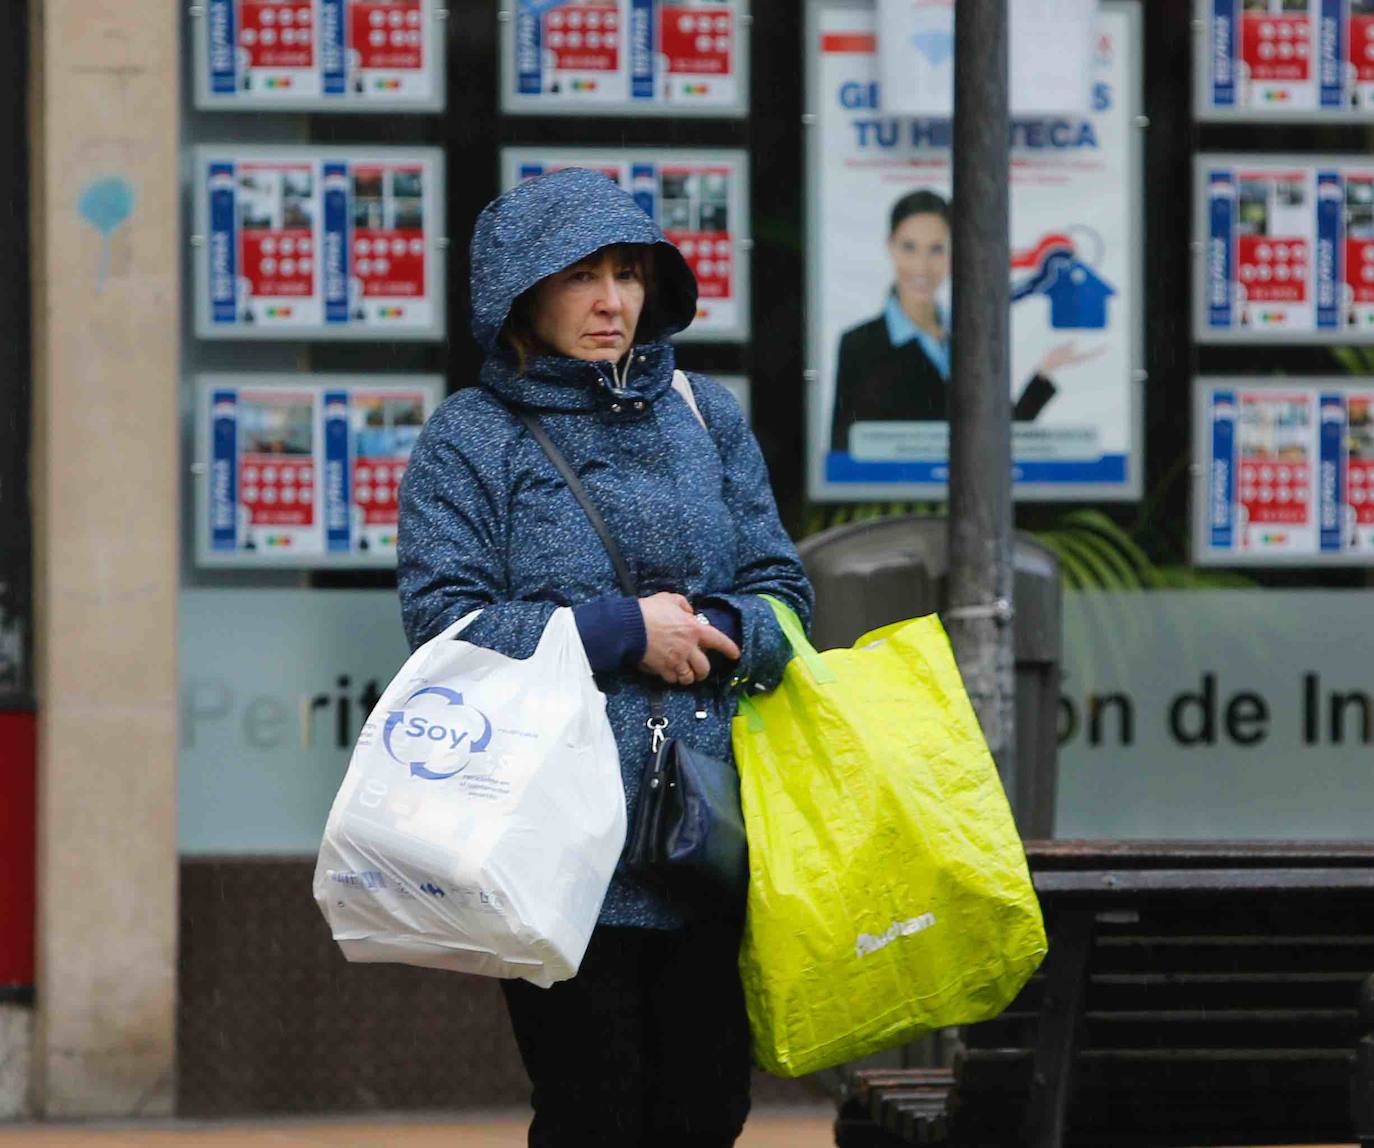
433, 731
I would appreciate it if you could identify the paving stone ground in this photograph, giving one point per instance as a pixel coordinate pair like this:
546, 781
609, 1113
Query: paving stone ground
810, 1128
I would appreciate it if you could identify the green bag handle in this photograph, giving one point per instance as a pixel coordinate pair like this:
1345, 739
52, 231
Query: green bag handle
801, 648
752, 718
796, 637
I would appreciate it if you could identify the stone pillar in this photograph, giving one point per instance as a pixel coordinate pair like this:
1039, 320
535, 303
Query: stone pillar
104, 94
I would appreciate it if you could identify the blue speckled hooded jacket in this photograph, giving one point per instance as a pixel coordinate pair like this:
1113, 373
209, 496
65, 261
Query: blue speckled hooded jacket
486, 521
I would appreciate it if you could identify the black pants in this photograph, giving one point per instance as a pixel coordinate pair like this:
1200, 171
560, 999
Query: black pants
647, 1045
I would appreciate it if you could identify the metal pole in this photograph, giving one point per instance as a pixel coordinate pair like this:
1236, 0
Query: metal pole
979, 593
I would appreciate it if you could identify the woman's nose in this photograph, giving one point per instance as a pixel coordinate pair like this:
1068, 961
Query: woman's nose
610, 295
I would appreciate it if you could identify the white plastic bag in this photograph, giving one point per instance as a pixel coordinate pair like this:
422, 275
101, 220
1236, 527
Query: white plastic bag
482, 813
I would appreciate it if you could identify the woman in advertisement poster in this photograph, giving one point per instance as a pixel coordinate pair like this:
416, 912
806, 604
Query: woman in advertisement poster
895, 367
575, 295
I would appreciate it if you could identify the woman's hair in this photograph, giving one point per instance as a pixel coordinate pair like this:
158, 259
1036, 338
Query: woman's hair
518, 331
923, 202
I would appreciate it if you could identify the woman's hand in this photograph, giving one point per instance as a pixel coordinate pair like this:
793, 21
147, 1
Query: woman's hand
1065, 355
676, 641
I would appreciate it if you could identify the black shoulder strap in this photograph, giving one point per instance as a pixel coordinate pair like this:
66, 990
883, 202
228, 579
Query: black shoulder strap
541, 436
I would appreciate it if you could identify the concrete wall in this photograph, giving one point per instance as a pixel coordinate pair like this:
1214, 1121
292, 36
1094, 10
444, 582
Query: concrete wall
16, 1038
105, 99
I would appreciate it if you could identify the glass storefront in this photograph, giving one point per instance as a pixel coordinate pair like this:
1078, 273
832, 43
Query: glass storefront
329, 231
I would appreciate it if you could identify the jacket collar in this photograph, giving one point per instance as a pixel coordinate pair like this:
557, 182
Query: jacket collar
557, 383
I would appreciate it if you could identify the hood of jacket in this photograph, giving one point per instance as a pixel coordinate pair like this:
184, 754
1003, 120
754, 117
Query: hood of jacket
548, 223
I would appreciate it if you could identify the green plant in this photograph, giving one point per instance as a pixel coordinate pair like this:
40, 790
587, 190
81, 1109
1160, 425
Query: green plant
1356, 360
1096, 554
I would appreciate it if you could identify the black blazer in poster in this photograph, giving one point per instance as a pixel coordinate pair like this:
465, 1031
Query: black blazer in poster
877, 382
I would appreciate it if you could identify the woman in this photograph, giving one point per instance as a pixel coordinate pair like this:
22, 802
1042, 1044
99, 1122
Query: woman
575, 293
896, 366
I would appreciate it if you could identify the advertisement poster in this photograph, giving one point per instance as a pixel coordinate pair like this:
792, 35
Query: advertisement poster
319, 243
319, 55
1285, 249
879, 279
1050, 46
303, 470
701, 201
1284, 60
1286, 471
625, 57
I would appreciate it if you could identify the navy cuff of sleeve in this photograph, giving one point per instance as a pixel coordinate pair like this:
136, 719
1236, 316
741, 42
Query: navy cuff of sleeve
724, 619
612, 632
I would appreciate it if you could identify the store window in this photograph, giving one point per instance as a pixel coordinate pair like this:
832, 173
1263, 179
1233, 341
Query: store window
757, 135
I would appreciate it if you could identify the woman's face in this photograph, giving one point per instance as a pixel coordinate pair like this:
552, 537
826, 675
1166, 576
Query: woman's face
920, 254
590, 310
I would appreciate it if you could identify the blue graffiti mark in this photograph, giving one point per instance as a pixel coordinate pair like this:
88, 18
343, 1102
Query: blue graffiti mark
106, 204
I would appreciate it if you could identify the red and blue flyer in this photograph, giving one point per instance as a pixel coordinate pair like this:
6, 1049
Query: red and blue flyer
305, 470
1285, 471
319, 55
321, 243
1285, 249
1309, 60
625, 57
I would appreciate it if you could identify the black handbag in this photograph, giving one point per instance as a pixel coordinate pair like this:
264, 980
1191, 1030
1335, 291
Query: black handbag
686, 837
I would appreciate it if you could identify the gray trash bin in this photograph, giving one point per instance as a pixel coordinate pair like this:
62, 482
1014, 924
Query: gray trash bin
868, 574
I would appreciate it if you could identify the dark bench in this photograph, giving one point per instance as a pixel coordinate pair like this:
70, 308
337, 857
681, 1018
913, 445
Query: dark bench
1193, 994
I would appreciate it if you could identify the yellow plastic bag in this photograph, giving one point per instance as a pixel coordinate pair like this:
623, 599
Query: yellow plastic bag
888, 889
